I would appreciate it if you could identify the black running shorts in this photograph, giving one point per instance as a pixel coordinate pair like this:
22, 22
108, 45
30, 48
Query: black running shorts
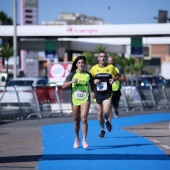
100, 97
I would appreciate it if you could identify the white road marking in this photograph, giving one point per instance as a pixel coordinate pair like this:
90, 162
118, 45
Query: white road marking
166, 146
155, 141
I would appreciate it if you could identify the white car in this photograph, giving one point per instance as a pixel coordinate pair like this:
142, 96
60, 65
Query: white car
19, 97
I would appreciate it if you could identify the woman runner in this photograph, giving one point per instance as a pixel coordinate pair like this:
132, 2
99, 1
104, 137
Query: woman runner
79, 79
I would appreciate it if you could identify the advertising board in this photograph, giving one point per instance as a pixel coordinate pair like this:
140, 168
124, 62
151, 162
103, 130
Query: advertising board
57, 72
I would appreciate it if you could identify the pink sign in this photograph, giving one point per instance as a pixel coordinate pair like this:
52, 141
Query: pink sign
58, 72
72, 29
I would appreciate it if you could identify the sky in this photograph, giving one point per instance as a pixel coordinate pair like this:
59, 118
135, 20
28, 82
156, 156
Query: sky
111, 11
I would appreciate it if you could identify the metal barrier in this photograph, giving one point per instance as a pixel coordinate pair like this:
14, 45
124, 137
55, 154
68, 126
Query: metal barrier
26, 102
18, 102
123, 105
147, 97
167, 94
131, 98
49, 100
42, 97
160, 97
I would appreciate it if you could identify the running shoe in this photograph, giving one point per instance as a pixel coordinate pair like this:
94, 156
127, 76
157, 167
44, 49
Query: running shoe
85, 144
102, 133
76, 143
108, 126
116, 114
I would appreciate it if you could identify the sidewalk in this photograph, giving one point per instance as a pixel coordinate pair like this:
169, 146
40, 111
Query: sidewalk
120, 149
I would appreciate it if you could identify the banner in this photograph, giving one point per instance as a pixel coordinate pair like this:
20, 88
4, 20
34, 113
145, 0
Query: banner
58, 72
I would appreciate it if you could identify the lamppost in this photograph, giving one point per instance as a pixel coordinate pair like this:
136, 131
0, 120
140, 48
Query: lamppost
15, 37
109, 8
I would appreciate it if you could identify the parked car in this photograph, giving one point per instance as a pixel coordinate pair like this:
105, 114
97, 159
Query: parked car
156, 80
147, 81
19, 98
3, 77
28, 81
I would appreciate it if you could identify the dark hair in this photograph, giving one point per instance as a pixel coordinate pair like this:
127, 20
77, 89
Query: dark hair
74, 67
103, 52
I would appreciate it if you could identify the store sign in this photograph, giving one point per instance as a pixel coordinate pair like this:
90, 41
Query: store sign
50, 49
72, 29
136, 47
58, 72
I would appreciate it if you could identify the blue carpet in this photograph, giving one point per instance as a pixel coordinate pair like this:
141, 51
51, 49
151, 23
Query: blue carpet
119, 150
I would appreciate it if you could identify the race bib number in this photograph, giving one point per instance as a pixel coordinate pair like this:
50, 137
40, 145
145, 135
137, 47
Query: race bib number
80, 94
102, 86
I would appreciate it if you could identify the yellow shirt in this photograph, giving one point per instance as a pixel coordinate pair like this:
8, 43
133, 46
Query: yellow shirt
104, 74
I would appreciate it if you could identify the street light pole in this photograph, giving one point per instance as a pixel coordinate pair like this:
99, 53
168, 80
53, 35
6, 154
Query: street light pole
109, 8
15, 37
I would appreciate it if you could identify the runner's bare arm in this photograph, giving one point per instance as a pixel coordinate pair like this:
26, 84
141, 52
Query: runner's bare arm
68, 84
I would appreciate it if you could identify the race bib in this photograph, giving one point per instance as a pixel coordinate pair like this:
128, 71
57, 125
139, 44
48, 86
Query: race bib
80, 94
102, 86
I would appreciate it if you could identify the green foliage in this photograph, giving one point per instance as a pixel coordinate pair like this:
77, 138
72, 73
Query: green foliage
6, 53
89, 57
4, 19
138, 66
117, 59
100, 48
132, 60
130, 65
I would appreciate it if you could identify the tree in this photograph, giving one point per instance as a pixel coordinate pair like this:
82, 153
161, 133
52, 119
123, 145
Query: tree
100, 48
138, 66
4, 19
6, 53
90, 59
131, 65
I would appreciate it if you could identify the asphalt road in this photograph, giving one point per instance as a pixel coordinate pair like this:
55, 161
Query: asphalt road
21, 141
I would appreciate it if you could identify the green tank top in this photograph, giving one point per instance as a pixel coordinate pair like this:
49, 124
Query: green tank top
116, 84
80, 90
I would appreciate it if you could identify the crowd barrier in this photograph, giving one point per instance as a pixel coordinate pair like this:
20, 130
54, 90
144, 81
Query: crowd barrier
145, 98
18, 102
50, 100
54, 101
130, 98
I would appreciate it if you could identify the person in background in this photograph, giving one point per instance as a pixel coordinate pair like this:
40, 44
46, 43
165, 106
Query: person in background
79, 80
116, 86
104, 75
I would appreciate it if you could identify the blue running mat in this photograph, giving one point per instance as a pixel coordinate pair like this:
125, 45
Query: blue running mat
119, 150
